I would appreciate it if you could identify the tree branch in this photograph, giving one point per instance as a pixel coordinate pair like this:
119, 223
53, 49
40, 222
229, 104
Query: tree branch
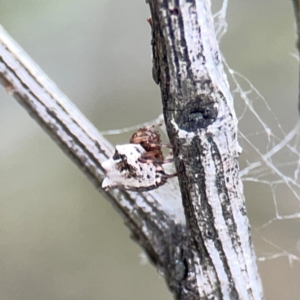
151, 221
202, 127
213, 258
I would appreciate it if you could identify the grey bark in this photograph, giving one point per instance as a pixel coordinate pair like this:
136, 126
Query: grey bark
210, 256
202, 127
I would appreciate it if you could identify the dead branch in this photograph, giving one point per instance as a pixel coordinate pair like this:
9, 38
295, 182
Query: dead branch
214, 258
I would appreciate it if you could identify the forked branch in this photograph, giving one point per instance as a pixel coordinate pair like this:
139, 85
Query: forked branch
213, 258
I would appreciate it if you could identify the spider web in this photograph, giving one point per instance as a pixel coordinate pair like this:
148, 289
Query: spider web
269, 166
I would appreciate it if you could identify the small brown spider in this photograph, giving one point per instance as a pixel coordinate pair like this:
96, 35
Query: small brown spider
139, 165
150, 140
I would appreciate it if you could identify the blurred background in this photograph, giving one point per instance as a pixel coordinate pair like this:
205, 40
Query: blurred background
59, 239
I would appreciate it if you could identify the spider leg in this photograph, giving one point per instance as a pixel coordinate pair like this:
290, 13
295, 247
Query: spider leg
160, 145
145, 160
168, 160
172, 175
138, 140
153, 145
148, 160
150, 157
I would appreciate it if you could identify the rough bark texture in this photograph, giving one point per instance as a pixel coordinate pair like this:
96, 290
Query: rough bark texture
152, 226
202, 127
212, 256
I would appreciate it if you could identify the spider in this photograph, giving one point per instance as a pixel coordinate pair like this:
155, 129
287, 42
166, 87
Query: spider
138, 166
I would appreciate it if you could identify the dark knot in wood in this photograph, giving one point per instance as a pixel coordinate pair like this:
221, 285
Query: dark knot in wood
198, 114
